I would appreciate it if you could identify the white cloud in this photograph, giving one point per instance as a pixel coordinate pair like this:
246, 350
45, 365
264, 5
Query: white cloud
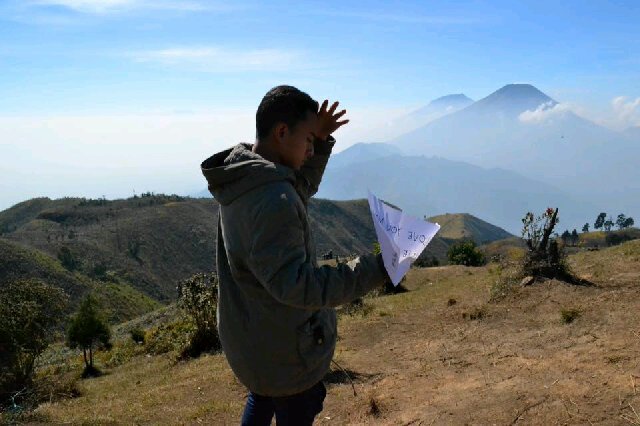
112, 155
218, 59
113, 6
545, 112
626, 112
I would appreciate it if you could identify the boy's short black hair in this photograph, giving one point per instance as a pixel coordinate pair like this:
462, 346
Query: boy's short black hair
283, 104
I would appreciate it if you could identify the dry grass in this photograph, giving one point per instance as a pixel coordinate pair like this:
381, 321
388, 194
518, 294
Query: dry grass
154, 390
420, 362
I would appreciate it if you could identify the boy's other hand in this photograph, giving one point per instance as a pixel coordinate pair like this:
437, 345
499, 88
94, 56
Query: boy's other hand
328, 120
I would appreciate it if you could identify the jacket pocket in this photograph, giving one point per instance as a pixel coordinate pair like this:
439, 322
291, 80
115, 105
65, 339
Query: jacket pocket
316, 338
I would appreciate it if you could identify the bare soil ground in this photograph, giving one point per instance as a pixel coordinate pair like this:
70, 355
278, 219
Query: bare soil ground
437, 355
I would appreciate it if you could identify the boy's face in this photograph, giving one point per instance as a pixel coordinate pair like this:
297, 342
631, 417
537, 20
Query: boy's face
295, 145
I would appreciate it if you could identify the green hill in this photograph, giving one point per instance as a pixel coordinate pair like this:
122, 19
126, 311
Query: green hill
150, 243
120, 301
465, 226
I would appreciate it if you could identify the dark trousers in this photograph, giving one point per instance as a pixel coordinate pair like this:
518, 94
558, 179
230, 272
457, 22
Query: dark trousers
299, 409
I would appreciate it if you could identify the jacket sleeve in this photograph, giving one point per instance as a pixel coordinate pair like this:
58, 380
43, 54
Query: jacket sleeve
309, 176
279, 260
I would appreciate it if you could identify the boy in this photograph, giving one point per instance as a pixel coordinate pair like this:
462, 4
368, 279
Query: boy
276, 319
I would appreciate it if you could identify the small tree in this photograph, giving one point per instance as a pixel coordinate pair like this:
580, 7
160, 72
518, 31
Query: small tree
88, 329
30, 311
621, 220
599, 223
544, 257
608, 224
67, 258
628, 223
575, 238
465, 253
566, 236
198, 298
585, 228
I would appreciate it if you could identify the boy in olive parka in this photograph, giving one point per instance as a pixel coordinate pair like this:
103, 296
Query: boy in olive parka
276, 316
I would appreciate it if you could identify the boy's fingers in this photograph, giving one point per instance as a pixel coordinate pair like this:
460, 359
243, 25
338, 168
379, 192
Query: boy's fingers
333, 107
342, 123
340, 114
323, 108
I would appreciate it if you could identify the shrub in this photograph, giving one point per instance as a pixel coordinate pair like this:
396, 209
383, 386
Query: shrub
477, 313
170, 337
133, 248
137, 335
68, 259
357, 307
99, 271
617, 238
426, 262
465, 253
545, 258
569, 315
30, 311
198, 298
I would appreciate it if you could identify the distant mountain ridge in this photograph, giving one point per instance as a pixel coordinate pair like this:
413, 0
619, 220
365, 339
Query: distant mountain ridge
442, 106
424, 185
360, 152
392, 127
520, 128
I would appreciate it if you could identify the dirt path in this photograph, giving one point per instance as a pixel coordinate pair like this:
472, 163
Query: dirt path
518, 364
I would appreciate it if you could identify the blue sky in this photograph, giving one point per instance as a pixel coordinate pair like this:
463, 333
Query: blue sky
172, 81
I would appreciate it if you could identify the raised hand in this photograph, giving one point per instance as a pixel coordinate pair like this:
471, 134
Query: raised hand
328, 119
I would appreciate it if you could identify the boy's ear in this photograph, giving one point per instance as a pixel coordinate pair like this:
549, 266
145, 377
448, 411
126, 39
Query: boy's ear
280, 130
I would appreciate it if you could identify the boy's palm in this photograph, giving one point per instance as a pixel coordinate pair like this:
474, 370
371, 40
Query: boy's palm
328, 119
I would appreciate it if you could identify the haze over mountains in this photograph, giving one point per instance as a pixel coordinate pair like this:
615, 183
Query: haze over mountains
422, 116
520, 128
512, 151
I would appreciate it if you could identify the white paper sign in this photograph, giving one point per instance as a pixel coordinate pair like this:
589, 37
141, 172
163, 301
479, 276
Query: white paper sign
402, 238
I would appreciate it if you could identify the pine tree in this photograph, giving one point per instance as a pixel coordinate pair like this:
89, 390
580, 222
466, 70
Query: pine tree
585, 228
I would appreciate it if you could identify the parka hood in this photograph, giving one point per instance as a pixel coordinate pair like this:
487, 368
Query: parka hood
237, 170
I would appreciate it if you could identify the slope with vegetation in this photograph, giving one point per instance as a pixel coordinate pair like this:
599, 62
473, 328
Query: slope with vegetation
117, 296
147, 244
441, 353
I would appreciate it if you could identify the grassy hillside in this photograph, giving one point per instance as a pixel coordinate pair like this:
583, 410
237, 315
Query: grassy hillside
152, 242
117, 297
439, 354
465, 226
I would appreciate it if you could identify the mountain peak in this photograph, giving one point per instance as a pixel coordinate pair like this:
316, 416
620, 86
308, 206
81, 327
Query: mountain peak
453, 99
520, 90
515, 98
442, 106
